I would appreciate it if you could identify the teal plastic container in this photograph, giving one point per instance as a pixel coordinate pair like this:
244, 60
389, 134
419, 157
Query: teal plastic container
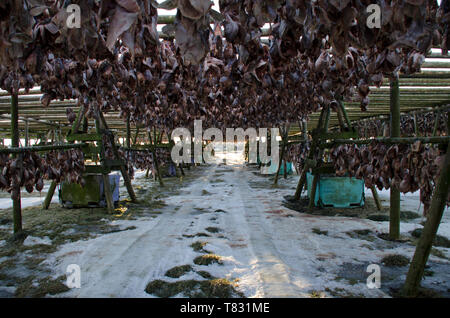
338, 192
273, 169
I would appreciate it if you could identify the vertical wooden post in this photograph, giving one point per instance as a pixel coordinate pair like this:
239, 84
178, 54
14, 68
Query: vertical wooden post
394, 211
136, 136
49, 196
344, 112
430, 229
128, 132
340, 119
27, 137
416, 127
376, 198
85, 125
17, 209
436, 123
285, 131
155, 158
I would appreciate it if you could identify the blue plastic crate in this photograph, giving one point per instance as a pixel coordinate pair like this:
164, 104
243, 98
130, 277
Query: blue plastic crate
338, 192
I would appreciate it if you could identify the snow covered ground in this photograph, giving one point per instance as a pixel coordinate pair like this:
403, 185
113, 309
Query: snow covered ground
268, 249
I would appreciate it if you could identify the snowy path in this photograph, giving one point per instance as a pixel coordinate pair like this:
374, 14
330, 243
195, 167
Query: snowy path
271, 250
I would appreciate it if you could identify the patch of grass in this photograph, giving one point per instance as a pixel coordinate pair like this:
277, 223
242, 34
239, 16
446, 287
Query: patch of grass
438, 253
178, 271
395, 260
201, 234
364, 234
199, 247
319, 232
352, 281
439, 240
385, 236
316, 294
213, 229
220, 211
33, 262
428, 273
341, 293
422, 293
44, 287
208, 259
204, 192
215, 288
205, 274
378, 217
408, 215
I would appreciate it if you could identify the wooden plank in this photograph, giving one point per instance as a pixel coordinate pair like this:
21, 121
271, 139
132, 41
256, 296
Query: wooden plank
84, 137
394, 209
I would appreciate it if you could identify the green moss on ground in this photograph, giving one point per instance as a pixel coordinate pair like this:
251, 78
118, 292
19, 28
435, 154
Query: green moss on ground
364, 234
199, 247
395, 260
178, 271
213, 229
208, 259
215, 288
319, 232
201, 234
41, 288
205, 274
439, 240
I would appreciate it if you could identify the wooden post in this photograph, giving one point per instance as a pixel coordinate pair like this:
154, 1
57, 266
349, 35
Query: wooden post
376, 197
136, 136
128, 132
416, 127
180, 165
283, 148
394, 211
436, 123
76, 123
319, 160
155, 158
340, 119
314, 144
430, 229
49, 196
17, 209
85, 125
27, 137
344, 112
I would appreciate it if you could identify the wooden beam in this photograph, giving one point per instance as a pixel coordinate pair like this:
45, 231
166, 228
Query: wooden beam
394, 210
423, 247
17, 209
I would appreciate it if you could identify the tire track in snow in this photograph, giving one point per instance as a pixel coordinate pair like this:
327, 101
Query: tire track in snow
275, 278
